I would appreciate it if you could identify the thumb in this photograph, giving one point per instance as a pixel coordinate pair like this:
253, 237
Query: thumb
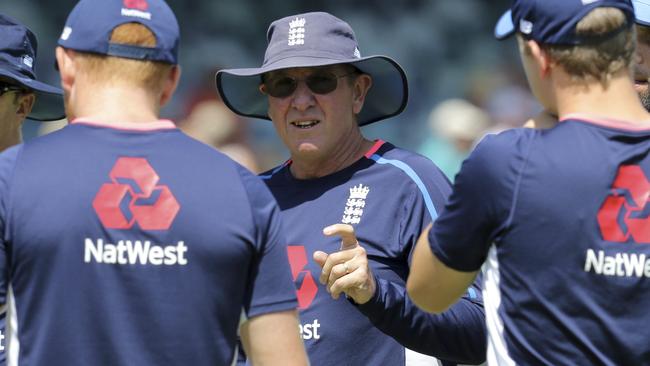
346, 232
320, 258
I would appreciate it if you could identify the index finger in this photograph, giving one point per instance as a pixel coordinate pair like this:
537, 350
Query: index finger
346, 232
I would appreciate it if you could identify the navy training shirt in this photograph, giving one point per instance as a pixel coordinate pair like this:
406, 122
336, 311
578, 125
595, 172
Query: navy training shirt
389, 196
134, 247
561, 219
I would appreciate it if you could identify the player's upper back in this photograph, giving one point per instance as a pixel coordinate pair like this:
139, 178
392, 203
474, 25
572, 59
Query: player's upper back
572, 224
153, 180
135, 238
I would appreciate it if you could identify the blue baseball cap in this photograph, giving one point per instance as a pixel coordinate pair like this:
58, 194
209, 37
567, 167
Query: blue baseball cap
18, 48
91, 22
553, 21
312, 40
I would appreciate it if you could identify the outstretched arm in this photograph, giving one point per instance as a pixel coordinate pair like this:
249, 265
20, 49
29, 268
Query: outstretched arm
432, 285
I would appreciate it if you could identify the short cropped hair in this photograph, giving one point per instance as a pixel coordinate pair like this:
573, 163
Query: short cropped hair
109, 70
609, 48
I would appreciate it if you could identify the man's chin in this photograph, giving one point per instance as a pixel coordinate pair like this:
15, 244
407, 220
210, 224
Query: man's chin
307, 149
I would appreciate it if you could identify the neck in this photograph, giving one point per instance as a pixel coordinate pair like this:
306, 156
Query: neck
11, 135
114, 104
617, 101
345, 155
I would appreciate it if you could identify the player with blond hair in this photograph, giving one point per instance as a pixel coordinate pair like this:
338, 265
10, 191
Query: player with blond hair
124, 241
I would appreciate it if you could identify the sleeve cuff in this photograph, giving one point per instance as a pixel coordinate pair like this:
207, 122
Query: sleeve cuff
375, 303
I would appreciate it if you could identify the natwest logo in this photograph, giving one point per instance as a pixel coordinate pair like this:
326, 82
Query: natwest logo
134, 252
306, 289
136, 9
623, 215
135, 196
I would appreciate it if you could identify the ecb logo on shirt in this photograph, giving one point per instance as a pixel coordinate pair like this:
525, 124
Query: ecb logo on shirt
135, 196
624, 214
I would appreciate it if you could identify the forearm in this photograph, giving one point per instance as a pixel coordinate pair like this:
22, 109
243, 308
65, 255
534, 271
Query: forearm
457, 334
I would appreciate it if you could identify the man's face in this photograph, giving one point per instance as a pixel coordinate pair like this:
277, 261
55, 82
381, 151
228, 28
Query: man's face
8, 108
642, 65
14, 107
312, 123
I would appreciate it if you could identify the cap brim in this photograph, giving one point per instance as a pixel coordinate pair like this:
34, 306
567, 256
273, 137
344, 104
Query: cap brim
504, 28
642, 12
388, 96
49, 99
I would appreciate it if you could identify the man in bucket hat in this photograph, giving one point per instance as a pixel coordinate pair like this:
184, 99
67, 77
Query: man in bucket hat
129, 255
21, 95
340, 190
557, 218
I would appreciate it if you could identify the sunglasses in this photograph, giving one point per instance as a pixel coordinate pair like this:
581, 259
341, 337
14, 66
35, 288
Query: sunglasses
320, 82
6, 88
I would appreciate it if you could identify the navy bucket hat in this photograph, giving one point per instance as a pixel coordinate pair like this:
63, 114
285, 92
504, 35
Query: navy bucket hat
553, 21
18, 47
311, 40
90, 25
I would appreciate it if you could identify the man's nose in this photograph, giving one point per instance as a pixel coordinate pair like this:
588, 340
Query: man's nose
303, 97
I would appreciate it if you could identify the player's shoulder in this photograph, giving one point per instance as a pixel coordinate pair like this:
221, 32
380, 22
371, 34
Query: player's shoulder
501, 154
409, 162
8, 162
9, 157
412, 158
255, 186
274, 176
506, 144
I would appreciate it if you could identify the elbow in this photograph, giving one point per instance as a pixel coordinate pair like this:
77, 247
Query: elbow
425, 299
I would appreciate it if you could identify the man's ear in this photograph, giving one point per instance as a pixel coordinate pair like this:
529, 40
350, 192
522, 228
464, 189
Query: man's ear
542, 57
67, 68
25, 105
362, 84
171, 83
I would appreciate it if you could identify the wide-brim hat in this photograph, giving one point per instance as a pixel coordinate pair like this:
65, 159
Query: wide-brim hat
18, 47
312, 40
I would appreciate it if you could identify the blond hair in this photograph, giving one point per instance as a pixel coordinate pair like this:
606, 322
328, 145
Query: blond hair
598, 59
103, 69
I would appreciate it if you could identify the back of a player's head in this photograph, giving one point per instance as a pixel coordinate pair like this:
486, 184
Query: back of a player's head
607, 49
590, 40
112, 70
133, 42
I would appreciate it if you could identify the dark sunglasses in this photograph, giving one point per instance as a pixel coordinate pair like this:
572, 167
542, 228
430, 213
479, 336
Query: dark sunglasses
320, 82
6, 88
